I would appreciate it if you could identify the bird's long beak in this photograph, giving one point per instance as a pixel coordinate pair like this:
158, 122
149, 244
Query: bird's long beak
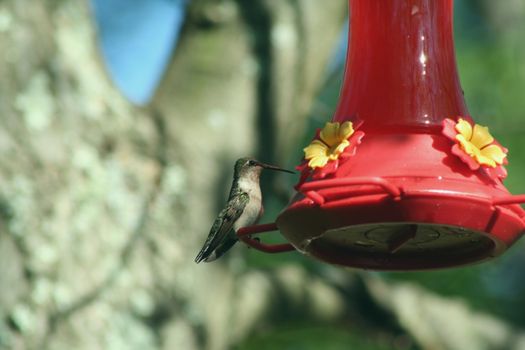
273, 167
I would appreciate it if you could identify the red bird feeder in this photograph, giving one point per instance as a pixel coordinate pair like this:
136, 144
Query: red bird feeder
402, 178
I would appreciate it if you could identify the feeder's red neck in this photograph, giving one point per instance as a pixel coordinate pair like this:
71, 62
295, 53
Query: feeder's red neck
400, 66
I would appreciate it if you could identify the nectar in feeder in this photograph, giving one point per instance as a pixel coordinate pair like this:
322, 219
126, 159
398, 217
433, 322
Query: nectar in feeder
401, 178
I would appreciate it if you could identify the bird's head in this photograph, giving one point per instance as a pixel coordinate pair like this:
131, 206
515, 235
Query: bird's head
251, 165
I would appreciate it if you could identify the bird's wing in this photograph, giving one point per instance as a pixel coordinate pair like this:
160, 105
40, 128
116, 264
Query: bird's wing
223, 225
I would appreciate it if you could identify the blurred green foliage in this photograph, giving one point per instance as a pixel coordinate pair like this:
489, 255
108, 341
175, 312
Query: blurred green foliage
312, 337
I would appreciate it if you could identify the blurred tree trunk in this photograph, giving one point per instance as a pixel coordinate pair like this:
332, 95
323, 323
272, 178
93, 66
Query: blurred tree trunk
104, 205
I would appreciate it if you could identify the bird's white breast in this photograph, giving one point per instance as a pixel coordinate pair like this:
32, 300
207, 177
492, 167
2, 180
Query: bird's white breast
252, 211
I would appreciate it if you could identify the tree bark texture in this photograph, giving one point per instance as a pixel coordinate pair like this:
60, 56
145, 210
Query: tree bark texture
103, 205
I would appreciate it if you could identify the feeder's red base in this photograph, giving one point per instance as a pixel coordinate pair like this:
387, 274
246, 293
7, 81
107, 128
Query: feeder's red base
418, 208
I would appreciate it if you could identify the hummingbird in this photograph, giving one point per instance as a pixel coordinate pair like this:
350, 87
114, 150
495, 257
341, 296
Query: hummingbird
244, 208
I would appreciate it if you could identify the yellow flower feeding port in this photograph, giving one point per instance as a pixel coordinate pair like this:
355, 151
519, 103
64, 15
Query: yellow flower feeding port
333, 142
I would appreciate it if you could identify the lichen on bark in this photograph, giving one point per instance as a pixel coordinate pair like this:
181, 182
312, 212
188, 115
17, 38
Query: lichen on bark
104, 204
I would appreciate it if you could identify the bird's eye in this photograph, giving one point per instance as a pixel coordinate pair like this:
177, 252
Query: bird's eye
251, 162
